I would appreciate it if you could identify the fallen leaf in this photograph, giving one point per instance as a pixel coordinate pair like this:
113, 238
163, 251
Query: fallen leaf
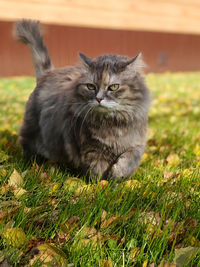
193, 241
73, 183
102, 184
144, 157
134, 252
70, 223
131, 184
49, 255
15, 237
184, 256
4, 263
85, 189
3, 172
173, 160
145, 263
54, 188
150, 218
85, 242
109, 221
197, 150
167, 264
18, 192
88, 232
3, 156
105, 263
103, 215
15, 179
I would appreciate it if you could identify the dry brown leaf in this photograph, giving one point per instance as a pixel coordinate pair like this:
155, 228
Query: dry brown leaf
4, 263
150, 218
15, 179
167, 264
88, 232
103, 215
8, 212
109, 221
4, 189
72, 222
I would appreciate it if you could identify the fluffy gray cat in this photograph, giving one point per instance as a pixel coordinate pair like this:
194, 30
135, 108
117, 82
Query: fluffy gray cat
92, 117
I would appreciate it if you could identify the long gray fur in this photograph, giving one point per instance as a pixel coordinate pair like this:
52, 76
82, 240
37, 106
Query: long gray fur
65, 123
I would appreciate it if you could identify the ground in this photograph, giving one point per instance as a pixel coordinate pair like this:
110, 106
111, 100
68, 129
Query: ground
48, 217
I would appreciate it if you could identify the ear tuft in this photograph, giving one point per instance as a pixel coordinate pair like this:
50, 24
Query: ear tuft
137, 63
86, 60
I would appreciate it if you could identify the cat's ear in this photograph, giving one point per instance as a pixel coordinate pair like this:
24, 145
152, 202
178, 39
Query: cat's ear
136, 63
86, 60
132, 60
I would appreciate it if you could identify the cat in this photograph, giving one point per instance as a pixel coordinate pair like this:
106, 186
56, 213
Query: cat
92, 117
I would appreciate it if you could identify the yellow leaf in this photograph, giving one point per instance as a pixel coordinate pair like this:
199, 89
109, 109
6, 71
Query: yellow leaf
102, 184
85, 242
54, 188
145, 263
18, 192
15, 237
194, 242
144, 157
187, 172
173, 160
73, 183
134, 252
105, 263
197, 150
131, 184
15, 179
3, 172
87, 189
49, 255
198, 165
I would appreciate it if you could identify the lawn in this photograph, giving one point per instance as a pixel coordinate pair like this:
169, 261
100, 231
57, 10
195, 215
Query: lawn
48, 217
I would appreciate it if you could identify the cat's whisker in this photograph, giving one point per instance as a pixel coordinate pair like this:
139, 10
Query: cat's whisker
76, 116
92, 107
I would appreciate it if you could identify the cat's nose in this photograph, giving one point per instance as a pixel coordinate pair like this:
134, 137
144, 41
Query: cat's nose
99, 99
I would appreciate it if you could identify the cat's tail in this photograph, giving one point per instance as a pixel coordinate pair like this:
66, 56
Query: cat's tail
28, 32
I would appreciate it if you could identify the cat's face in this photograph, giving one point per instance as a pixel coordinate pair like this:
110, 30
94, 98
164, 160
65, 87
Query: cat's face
109, 84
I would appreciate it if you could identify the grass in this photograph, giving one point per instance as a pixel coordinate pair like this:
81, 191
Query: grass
62, 221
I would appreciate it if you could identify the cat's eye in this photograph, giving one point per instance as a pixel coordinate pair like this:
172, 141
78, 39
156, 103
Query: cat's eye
91, 86
113, 87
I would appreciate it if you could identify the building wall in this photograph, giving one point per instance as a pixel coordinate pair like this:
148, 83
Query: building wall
161, 51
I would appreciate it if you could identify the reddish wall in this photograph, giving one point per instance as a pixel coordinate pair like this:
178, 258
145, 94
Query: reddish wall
161, 51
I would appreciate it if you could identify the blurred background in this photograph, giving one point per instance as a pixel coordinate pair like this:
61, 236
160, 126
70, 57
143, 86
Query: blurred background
167, 32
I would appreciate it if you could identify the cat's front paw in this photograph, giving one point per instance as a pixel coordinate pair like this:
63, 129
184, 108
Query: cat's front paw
116, 172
